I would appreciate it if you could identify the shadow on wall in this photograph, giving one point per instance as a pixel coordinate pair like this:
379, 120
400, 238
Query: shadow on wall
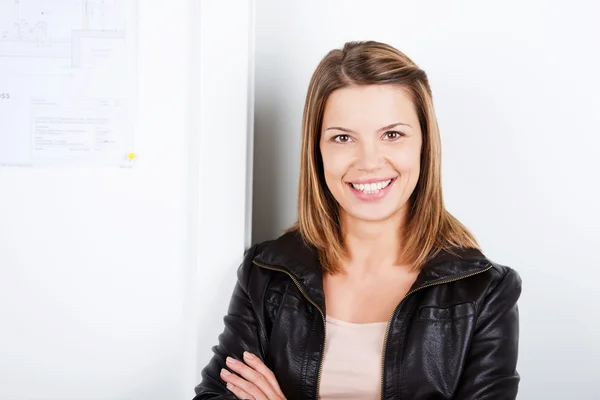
277, 138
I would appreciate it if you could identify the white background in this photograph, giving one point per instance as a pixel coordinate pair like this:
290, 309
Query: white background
517, 94
106, 275
114, 282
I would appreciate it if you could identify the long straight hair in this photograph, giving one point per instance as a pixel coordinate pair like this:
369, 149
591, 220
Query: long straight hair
430, 227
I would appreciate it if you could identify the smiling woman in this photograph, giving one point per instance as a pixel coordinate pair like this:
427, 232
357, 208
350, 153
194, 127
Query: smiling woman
377, 291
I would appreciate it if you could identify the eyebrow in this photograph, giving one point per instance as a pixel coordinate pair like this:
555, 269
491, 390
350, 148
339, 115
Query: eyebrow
395, 124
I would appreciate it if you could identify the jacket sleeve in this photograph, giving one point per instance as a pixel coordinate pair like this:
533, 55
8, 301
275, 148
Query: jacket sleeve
490, 370
241, 333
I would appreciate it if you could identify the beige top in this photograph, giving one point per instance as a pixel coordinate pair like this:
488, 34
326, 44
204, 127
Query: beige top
352, 361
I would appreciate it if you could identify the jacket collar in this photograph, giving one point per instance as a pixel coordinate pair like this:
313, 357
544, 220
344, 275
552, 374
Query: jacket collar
292, 255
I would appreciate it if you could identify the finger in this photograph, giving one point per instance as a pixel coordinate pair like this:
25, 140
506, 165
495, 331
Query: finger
239, 393
251, 376
248, 388
256, 363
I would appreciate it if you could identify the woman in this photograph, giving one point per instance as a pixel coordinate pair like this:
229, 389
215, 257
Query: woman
377, 291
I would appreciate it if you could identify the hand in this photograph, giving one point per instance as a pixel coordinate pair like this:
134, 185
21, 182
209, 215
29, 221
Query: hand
255, 380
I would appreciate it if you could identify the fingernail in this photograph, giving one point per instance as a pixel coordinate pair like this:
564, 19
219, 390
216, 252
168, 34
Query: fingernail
249, 356
225, 372
230, 360
229, 386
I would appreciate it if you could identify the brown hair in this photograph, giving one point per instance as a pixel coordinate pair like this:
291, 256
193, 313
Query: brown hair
430, 227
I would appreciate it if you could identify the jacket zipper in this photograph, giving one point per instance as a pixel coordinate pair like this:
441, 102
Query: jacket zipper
316, 306
387, 329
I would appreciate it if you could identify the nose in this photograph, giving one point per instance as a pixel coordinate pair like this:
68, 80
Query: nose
369, 157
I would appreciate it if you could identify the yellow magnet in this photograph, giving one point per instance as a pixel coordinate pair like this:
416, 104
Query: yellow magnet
130, 156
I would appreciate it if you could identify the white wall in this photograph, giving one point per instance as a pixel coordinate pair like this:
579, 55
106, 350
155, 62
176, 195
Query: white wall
517, 92
106, 274
224, 84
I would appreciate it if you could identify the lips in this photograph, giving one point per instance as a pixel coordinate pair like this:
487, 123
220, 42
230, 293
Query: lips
372, 189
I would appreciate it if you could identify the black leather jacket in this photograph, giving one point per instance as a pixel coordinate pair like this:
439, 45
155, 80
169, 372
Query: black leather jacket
454, 335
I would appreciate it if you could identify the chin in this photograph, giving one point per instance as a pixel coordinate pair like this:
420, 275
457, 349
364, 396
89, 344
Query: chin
372, 215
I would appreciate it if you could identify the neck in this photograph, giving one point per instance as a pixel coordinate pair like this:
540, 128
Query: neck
373, 245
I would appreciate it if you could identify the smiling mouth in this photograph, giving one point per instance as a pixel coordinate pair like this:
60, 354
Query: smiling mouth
371, 188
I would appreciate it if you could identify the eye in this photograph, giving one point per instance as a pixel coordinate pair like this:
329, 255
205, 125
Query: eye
341, 138
393, 135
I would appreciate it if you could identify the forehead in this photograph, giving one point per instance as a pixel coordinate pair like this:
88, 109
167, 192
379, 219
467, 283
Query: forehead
369, 106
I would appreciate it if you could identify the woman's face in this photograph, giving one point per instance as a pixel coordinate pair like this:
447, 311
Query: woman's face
371, 148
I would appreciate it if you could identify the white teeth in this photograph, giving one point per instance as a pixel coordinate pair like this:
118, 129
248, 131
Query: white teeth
371, 187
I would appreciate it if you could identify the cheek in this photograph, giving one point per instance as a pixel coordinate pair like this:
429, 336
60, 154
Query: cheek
408, 161
335, 166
